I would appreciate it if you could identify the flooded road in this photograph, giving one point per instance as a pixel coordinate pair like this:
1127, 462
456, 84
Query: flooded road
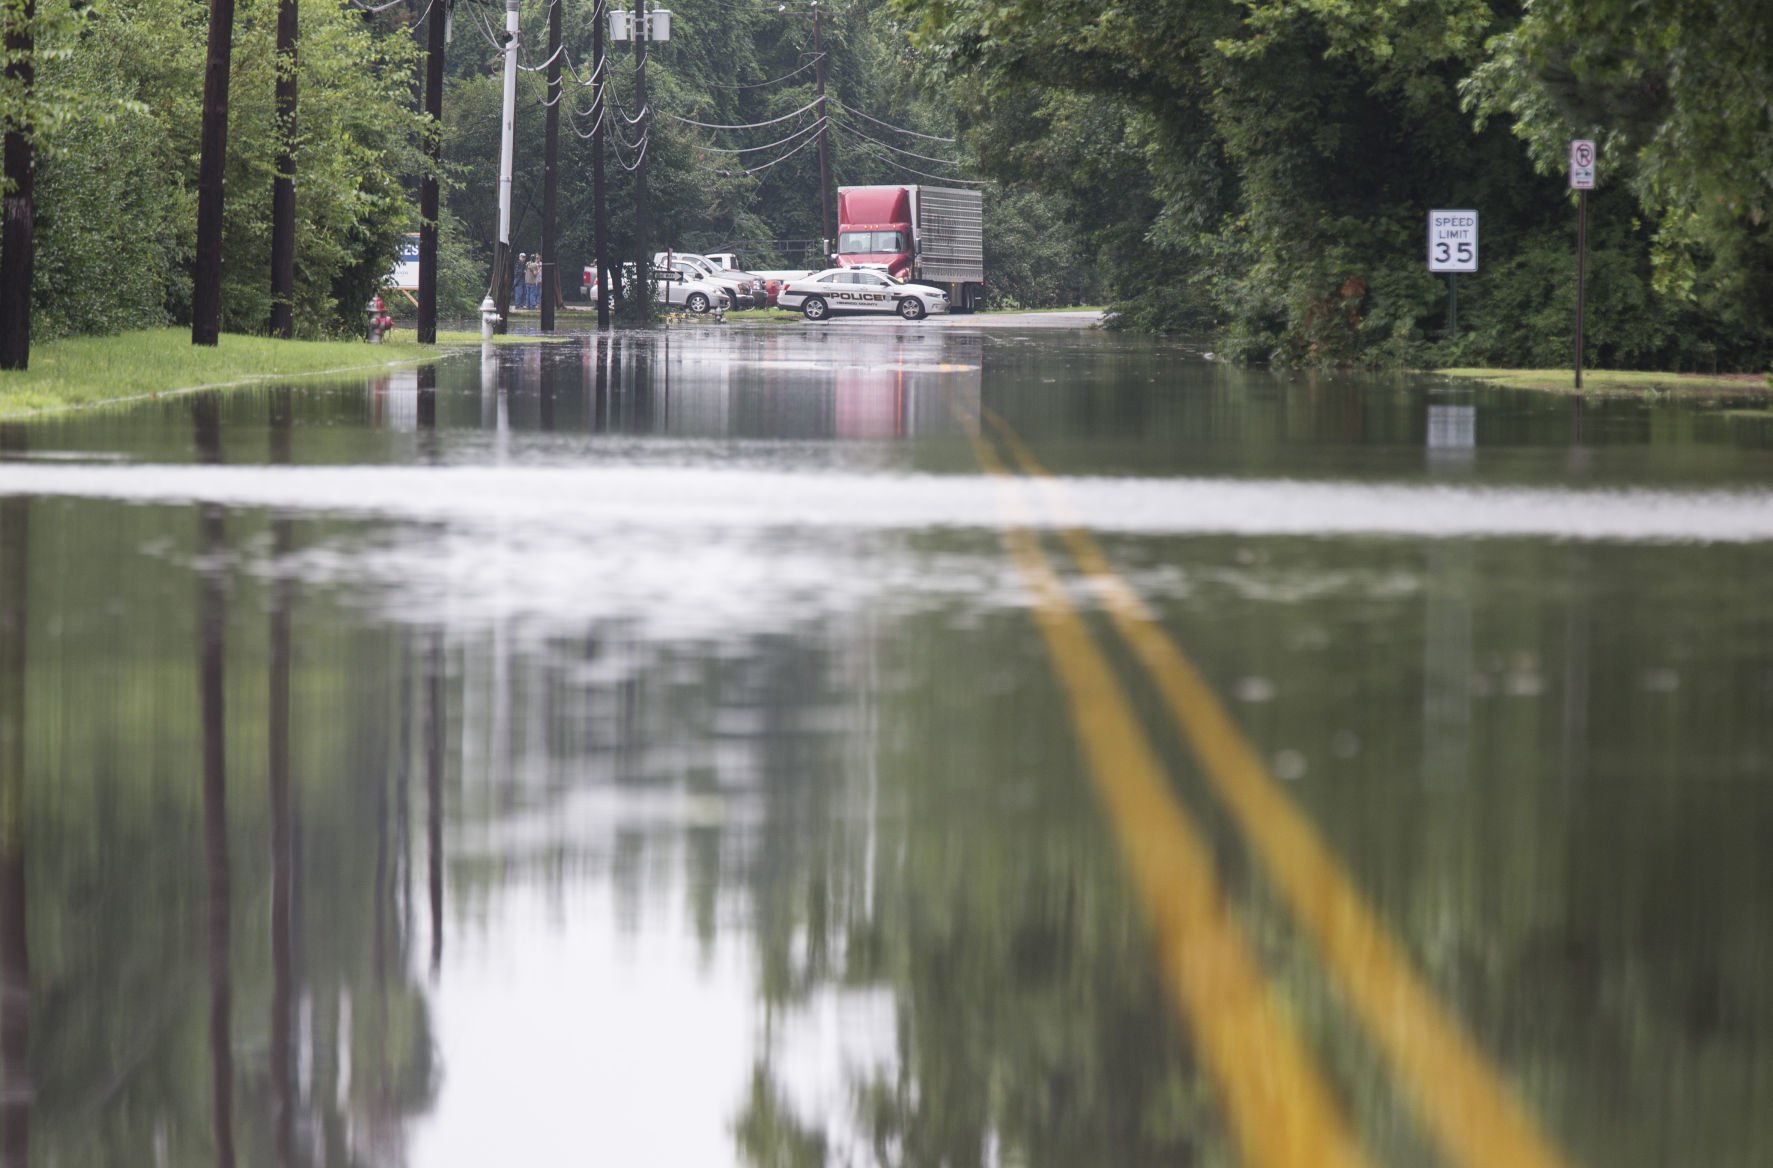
886, 746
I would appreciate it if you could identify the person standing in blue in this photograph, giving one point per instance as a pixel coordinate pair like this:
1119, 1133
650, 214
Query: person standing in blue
517, 281
532, 281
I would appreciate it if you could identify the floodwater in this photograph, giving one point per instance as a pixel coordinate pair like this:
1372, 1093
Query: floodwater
886, 746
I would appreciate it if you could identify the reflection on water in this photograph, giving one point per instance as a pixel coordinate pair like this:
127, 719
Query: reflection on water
637, 750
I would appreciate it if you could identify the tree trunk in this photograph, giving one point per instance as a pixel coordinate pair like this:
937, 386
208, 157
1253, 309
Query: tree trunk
18, 246
206, 286
283, 207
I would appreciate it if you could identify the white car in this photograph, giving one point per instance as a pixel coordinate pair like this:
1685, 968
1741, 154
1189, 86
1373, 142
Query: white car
838, 290
745, 289
699, 296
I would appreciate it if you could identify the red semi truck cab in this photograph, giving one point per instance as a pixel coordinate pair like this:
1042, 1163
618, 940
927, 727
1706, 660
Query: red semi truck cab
930, 235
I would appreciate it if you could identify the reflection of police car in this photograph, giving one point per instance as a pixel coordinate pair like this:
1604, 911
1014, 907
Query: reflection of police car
859, 290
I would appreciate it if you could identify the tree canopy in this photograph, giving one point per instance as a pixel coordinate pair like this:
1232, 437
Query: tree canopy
1288, 151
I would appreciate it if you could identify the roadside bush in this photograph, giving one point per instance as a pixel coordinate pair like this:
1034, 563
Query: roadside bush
117, 190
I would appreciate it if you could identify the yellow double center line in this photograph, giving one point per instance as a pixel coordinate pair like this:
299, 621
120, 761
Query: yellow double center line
1280, 1110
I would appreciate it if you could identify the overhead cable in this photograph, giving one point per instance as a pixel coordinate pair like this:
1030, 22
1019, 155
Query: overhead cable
765, 166
595, 126
807, 129
895, 149
890, 161
745, 125
771, 81
889, 126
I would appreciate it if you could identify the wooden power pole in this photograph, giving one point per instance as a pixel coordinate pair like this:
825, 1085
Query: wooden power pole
551, 173
599, 205
824, 126
436, 34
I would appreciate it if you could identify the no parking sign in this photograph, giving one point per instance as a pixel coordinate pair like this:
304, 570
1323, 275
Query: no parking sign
1582, 165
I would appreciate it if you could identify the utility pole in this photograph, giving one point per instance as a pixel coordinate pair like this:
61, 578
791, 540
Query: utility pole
18, 225
436, 36
824, 127
551, 172
501, 289
599, 208
283, 201
643, 268
206, 285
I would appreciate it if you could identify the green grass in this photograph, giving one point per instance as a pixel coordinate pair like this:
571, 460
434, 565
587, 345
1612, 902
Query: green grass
83, 371
1071, 308
1603, 381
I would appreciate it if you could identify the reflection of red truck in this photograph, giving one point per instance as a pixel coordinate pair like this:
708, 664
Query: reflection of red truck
930, 235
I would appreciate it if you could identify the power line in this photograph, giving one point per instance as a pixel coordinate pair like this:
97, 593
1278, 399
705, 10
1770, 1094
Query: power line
771, 146
767, 165
900, 166
889, 126
743, 125
771, 81
895, 149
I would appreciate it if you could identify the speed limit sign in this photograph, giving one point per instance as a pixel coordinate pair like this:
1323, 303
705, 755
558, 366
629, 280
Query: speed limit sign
1452, 241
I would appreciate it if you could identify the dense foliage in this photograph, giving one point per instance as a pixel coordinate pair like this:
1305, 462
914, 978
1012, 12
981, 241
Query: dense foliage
1260, 170
1254, 171
116, 189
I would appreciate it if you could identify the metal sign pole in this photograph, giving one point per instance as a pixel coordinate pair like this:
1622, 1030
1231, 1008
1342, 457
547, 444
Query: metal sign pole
1581, 274
1582, 168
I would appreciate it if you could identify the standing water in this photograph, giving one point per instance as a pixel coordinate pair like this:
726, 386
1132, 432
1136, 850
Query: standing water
644, 749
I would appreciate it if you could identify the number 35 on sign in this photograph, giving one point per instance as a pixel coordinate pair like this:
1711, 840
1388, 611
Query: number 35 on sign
1452, 241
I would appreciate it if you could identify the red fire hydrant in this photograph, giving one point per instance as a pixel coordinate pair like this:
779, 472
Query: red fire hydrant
379, 320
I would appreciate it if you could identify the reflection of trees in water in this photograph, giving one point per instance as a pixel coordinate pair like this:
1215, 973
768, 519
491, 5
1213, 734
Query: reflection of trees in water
144, 879
212, 619
1029, 1027
15, 968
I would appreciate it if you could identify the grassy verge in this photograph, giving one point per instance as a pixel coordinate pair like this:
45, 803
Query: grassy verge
1602, 381
1072, 308
83, 371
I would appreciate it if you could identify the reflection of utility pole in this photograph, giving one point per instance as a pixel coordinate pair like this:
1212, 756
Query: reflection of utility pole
434, 715
551, 172
824, 127
436, 36
501, 289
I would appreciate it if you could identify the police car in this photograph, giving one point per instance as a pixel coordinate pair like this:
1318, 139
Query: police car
837, 290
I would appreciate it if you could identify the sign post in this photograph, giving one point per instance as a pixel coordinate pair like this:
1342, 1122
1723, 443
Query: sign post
1582, 159
1453, 248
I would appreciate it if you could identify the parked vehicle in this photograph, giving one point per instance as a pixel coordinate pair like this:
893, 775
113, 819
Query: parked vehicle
671, 287
934, 235
674, 286
748, 291
842, 290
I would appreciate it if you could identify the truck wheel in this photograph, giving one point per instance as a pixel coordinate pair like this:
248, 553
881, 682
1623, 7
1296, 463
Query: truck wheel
815, 308
697, 303
911, 308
